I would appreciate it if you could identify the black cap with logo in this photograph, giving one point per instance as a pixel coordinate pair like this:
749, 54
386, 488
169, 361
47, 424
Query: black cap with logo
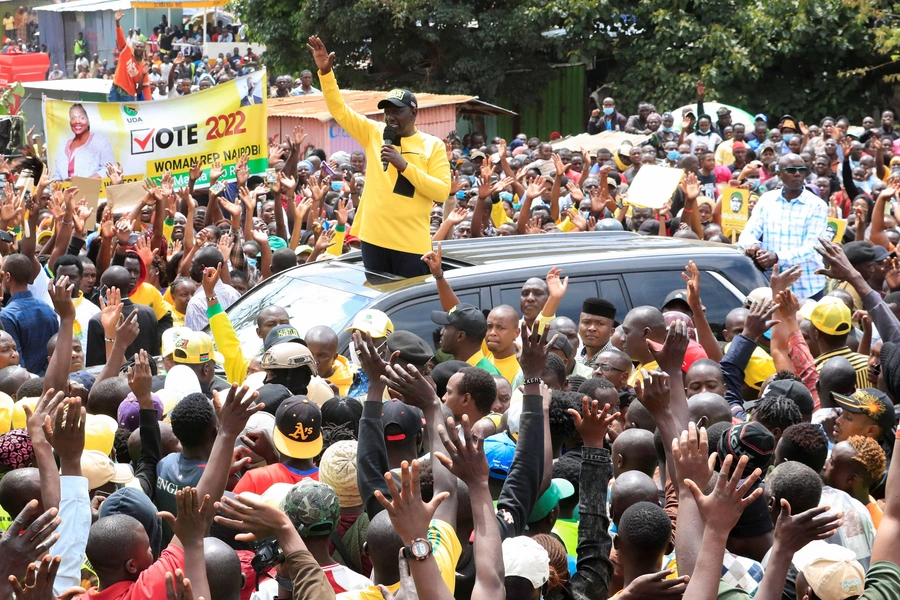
400, 98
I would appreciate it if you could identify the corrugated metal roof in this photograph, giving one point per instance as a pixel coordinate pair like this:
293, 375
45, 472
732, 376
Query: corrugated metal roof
86, 6
366, 103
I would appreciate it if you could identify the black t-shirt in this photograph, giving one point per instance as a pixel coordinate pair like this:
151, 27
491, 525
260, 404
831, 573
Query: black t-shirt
707, 184
165, 42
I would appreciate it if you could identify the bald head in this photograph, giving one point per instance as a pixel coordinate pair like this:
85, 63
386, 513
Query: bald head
117, 277
223, 570
704, 375
836, 375
505, 312
634, 450
639, 417
12, 378
382, 546
630, 488
18, 488
707, 409
113, 541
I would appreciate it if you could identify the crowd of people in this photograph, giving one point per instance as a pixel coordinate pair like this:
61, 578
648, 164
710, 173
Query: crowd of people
628, 454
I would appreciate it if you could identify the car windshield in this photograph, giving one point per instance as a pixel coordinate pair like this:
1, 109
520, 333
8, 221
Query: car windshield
308, 304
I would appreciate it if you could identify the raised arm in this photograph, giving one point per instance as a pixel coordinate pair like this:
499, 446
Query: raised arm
886, 546
876, 235
445, 293
704, 331
57, 374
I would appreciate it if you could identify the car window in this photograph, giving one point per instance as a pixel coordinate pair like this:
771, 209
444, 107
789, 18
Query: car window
415, 316
578, 290
308, 304
611, 289
652, 287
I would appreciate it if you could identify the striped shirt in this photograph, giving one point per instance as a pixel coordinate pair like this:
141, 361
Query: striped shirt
790, 229
860, 364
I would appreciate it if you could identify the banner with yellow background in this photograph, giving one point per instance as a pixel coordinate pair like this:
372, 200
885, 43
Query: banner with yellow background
150, 138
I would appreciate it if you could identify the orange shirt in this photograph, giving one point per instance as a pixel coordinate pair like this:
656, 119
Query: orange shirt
875, 512
129, 72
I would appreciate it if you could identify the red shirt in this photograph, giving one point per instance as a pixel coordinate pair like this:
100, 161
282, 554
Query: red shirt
259, 480
150, 584
129, 72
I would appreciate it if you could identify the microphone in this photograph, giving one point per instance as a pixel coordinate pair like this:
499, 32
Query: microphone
388, 137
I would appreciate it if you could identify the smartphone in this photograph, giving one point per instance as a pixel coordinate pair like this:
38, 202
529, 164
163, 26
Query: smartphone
217, 188
327, 168
271, 176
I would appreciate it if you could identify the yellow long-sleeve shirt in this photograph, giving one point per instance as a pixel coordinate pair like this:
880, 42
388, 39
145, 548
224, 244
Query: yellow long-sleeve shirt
395, 207
227, 344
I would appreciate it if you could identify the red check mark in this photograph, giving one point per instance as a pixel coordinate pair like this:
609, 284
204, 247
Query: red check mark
143, 142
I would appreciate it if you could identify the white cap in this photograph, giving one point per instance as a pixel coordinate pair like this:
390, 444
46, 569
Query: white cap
832, 571
100, 470
524, 557
513, 416
181, 381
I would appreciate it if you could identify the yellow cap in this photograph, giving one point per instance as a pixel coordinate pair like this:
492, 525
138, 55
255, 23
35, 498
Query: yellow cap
19, 417
100, 433
374, 322
194, 348
167, 346
6, 412
760, 367
829, 315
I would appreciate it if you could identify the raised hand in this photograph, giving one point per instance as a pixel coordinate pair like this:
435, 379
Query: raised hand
535, 348
178, 587
61, 295
758, 319
657, 586
225, 244
409, 515
254, 519
140, 377
409, 383
342, 211
29, 536
692, 458
374, 366
692, 279
593, 422
721, 509
127, 329
433, 260
465, 453
780, 281
325, 240
216, 170
192, 514
237, 409
146, 254
324, 60
653, 390
210, 279
555, 285
110, 308
67, 434
232, 208
690, 186
670, 356
39, 579
457, 215
795, 532
195, 171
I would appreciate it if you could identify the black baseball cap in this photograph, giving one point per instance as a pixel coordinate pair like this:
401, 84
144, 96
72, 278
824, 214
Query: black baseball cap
400, 421
442, 372
467, 318
298, 428
281, 335
676, 296
397, 97
860, 252
794, 390
873, 403
411, 347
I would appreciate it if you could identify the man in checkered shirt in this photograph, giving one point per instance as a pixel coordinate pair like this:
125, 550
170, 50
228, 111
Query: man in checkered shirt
785, 226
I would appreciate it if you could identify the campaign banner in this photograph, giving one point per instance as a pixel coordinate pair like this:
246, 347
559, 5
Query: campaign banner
221, 123
834, 231
735, 209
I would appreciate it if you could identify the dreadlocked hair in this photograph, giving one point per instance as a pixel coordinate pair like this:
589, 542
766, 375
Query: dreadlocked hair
784, 374
869, 454
777, 412
333, 433
559, 563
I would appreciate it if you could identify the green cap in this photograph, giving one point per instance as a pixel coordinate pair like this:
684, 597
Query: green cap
559, 489
314, 506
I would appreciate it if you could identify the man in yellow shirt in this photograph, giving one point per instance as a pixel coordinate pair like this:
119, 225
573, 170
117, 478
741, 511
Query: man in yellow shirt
322, 341
502, 332
392, 220
643, 324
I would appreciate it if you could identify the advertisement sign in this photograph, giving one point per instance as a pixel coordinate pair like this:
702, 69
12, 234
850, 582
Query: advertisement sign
149, 138
735, 210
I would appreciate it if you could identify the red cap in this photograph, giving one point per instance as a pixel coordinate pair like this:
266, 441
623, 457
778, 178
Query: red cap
738, 144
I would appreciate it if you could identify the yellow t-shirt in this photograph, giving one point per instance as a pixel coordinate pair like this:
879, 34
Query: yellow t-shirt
148, 295
446, 549
508, 367
9, 23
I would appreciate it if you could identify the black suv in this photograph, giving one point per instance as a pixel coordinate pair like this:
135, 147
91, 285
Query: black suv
625, 268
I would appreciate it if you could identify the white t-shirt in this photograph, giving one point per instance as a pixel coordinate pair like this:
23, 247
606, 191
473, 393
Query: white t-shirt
340, 577
39, 289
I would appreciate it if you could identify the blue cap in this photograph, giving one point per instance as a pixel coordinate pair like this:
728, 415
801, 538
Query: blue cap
762, 117
499, 450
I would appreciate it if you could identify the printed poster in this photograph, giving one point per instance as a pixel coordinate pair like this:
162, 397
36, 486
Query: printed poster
150, 138
834, 230
735, 209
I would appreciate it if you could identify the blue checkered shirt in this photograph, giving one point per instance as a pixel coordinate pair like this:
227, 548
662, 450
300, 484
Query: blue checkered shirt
791, 230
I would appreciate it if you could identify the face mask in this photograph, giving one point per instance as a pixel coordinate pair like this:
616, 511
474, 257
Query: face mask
666, 129
704, 131
251, 261
608, 110
673, 155
461, 194
787, 137
337, 186
506, 196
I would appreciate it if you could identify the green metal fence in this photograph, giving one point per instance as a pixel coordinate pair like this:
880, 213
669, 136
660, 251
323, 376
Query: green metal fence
561, 107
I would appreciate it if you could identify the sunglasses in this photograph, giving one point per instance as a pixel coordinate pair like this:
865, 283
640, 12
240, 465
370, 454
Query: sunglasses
796, 170
609, 367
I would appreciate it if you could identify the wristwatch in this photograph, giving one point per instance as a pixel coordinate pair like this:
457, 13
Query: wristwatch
419, 549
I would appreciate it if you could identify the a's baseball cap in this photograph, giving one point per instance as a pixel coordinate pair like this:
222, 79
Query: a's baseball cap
129, 413
870, 402
195, 348
99, 433
559, 489
298, 428
411, 347
167, 344
829, 315
499, 451
400, 421
748, 439
312, 507
831, 570
465, 317
761, 117
523, 557
337, 468
289, 355
99, 469
792, 389
397, 97
281, 335
374, 322
860, 252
